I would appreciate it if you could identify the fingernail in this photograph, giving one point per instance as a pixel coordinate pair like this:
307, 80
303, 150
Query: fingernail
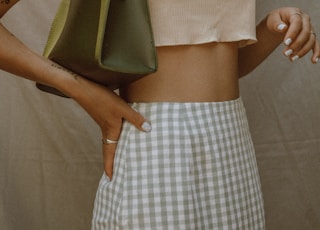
288, 52
281, 26
294, 58
316, 60
146, 127
288, 41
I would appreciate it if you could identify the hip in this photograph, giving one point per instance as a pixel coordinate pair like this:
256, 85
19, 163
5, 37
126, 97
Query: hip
197, 164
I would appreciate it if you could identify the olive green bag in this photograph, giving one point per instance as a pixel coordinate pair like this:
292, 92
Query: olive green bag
107, 41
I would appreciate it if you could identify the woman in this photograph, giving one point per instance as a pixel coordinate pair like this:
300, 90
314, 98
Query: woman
195, 168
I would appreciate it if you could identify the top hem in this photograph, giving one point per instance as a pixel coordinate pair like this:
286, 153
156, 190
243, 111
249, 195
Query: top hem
241, 42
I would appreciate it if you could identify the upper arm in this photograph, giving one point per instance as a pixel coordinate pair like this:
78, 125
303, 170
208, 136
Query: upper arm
5, 5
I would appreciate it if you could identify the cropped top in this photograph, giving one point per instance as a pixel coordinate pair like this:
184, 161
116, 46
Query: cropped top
181, 22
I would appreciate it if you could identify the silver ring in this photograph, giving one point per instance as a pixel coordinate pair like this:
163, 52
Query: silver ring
108, 141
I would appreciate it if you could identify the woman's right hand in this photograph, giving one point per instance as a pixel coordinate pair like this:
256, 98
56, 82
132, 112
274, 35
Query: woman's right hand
108, 110
103, 105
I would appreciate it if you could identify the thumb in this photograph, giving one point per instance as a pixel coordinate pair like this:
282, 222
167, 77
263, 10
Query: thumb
137, 119
275, 23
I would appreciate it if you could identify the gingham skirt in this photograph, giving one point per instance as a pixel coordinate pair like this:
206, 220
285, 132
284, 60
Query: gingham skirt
195, 170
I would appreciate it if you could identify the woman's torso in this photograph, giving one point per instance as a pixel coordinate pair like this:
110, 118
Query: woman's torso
192, 73
197, 61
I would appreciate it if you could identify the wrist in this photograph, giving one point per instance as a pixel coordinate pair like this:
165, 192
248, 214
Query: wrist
61, 79
271, 34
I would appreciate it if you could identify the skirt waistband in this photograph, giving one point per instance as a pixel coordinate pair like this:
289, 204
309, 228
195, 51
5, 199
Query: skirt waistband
189, 107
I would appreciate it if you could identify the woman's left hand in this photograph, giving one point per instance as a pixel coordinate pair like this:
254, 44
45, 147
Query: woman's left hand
298, 31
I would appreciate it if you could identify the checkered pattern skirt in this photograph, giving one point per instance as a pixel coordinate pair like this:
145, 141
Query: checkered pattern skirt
196, 170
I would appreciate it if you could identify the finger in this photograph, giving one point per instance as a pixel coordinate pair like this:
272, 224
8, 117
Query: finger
136, 119
303, 39
316, 52
295, 27
276, 24
109, 144
309, 45
123, 111
108, 158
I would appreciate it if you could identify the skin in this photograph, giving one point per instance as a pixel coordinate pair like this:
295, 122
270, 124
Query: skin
175, 78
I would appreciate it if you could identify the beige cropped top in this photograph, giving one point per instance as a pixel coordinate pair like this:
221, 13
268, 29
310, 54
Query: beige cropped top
180, 22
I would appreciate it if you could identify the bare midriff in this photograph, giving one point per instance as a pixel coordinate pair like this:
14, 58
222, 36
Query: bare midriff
190, 73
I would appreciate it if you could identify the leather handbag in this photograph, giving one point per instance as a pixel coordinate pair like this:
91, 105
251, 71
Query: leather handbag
107, 41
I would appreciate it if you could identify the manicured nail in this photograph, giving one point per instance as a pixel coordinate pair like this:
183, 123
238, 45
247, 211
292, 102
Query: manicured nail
288, 52
294, 58
288, 41
146, 127
282, 26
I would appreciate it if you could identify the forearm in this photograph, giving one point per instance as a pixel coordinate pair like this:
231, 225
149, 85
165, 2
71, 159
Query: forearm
252, 56
18, 59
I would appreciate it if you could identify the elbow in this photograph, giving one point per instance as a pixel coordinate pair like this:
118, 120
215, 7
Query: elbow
244, 70
243, 73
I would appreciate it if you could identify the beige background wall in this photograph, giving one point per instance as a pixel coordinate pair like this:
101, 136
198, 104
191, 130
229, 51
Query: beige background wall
50, 158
